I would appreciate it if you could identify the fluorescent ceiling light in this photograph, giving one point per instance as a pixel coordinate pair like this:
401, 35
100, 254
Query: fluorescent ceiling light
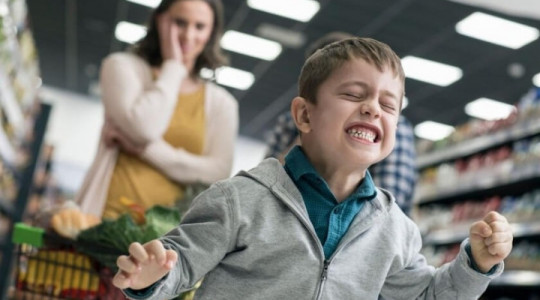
129, 32
488, 109
299, 10
497, 30
234, 78
149, 3
287, 37
206, 73
430, 71
536, 80
250, 45
433, 131
404, 102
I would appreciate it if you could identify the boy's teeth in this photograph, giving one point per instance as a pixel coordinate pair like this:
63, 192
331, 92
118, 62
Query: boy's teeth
366, 135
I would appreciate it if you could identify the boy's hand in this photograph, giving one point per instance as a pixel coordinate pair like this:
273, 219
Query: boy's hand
491, 241
145, 265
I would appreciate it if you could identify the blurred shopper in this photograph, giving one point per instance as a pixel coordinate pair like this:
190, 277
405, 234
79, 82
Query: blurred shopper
397, 173
165, 127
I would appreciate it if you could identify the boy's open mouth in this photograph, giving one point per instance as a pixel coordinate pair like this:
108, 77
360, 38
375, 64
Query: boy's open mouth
364, 133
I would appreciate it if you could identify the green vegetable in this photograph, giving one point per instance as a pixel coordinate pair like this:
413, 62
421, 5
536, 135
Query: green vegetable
106, 241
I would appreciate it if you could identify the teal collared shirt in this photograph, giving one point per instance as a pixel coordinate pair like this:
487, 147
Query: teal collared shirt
330, 219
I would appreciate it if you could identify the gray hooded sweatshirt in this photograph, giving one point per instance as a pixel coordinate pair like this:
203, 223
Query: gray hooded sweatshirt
251, 238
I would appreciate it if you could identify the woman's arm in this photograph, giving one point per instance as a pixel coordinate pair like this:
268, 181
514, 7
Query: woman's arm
114, 138
216, 161
140, 108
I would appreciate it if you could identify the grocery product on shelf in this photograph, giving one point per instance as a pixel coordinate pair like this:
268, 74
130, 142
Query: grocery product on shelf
22, 124
485, 166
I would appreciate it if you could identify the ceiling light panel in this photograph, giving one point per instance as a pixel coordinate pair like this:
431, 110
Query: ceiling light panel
497, 30
299, 10
250, 45
287, 37
488, 109
432, 131
129, 32
430, 71
404, 102
149, 3
206, 73
536, 80
234, 78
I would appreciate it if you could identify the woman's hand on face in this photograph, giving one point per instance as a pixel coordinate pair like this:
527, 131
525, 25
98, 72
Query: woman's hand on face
168, 38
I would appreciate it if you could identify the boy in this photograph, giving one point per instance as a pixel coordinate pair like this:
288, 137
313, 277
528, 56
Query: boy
317, 228
396, 173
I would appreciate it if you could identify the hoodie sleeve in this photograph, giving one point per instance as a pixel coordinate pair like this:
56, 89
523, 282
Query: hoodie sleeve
454, 280
207, 233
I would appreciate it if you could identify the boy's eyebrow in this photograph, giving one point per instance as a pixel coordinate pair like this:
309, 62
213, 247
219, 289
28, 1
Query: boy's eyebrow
349, 83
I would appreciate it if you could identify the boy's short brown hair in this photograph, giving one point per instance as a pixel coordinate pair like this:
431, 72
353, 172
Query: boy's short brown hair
323, 62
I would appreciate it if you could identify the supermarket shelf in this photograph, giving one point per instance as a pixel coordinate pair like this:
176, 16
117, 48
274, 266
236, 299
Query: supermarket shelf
456, 234
507, 187
446, 236
23, 193
517, 278
477, 144
526, 229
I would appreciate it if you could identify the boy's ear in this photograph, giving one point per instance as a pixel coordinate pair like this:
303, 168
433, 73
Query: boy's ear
300, 114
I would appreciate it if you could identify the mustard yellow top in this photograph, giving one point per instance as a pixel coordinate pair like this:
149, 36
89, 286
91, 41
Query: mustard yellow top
137, 185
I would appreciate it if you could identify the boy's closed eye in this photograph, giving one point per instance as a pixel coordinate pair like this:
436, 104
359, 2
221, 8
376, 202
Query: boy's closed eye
389, 105
354, 96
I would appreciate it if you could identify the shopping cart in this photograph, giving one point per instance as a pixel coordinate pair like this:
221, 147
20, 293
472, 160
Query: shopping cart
49, 267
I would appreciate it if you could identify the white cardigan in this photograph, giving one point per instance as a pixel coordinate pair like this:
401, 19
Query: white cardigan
142, 108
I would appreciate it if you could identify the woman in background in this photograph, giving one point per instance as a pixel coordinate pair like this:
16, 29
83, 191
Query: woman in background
165, 127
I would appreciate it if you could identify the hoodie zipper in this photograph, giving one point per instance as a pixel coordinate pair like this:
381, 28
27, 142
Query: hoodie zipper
324, 274
306, 223
301, 217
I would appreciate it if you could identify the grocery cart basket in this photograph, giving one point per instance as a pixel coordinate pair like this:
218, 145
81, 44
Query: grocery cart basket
49, 267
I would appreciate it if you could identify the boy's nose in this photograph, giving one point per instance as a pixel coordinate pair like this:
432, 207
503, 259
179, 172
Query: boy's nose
371, 108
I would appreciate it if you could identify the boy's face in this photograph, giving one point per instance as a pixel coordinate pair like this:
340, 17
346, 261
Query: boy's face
353, 123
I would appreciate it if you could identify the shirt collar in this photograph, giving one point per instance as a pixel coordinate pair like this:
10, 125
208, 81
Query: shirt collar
297, 165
